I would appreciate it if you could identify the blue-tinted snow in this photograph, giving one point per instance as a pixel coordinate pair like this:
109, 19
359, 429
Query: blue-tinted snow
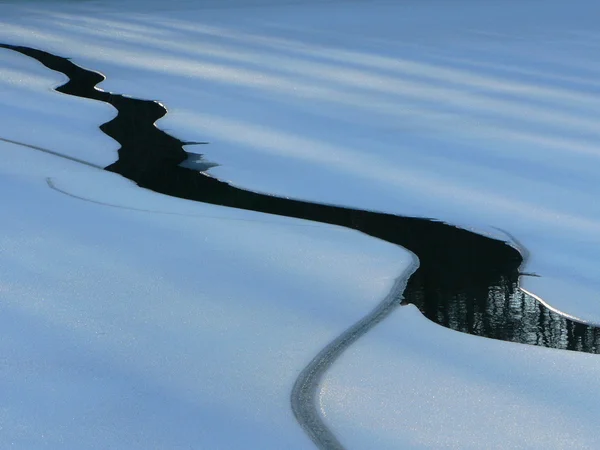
483, 114
60, 123
480, 114
184, 327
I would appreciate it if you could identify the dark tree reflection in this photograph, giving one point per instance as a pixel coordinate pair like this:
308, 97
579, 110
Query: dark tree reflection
503, 311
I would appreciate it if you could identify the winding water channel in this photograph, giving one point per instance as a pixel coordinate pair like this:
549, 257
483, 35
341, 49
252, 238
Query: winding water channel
464, 281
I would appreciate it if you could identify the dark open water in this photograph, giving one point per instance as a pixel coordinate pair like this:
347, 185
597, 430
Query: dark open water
465, 281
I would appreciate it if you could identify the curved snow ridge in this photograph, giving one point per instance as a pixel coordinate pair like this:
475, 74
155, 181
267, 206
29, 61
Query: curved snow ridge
304, 394
512, 240
558, 311
52, 185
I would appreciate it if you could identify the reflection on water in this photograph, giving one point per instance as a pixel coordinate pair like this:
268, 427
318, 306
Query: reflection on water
503, 311
465, 281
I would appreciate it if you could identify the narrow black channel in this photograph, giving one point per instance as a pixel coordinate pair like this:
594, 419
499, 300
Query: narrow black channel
465, 281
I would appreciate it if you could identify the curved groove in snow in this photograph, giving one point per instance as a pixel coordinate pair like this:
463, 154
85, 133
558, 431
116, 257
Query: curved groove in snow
304, 393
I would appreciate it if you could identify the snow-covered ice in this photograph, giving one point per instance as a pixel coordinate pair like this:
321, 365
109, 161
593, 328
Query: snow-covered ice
413, 384
179, 328
120, 334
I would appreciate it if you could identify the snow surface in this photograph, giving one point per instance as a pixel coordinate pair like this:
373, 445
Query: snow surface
413, 384
483, 114
181, 328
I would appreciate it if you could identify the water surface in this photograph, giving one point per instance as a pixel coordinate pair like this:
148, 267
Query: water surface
465, 281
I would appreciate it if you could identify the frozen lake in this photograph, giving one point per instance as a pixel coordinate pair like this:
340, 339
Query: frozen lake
469, 115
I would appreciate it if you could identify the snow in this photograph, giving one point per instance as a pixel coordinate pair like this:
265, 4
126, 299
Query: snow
184, 327
476, 393
482, 114
62, 123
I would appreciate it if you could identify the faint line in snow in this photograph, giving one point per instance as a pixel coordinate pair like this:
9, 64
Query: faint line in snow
464, 281
52, 185
51, 152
